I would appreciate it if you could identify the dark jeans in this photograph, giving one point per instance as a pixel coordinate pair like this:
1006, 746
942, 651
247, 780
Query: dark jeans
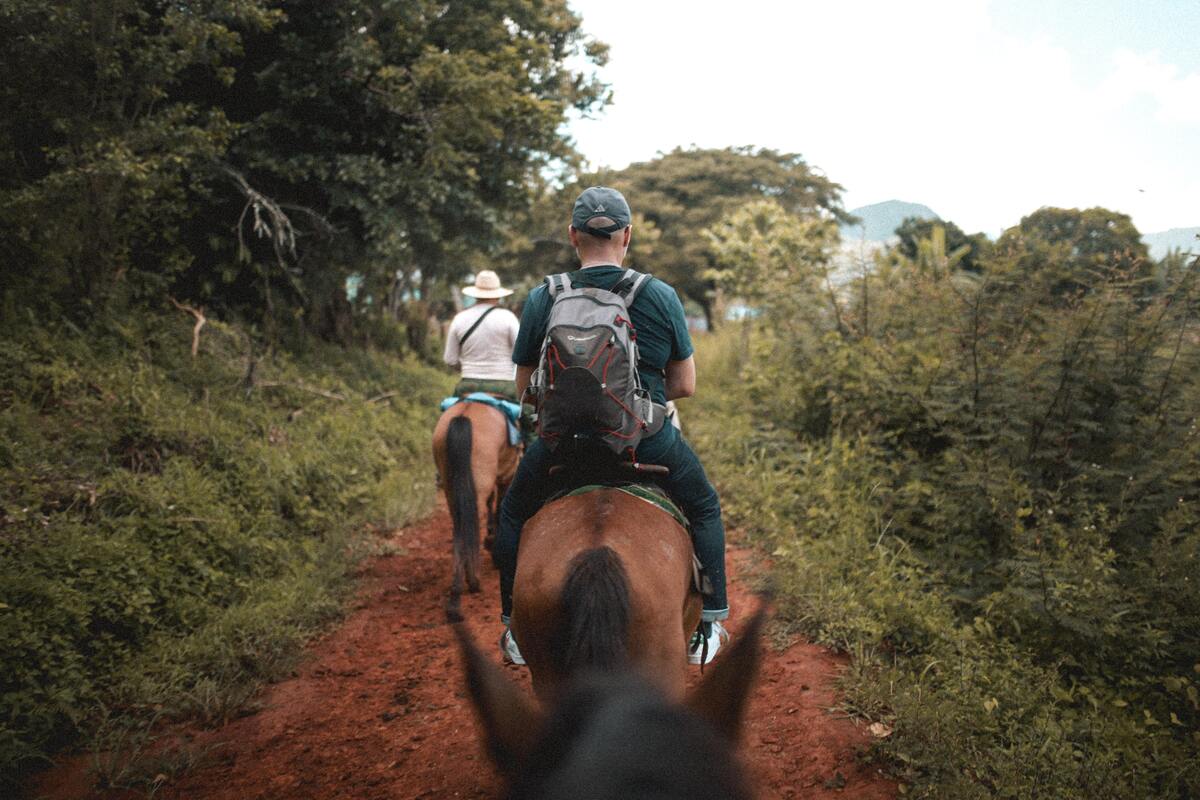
687, 484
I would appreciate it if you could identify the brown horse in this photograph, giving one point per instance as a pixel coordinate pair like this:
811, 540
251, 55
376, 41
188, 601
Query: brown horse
610, 736
604, 581
476, 464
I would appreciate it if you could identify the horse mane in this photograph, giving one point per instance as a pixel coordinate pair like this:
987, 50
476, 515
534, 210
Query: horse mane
615, 736
596, 608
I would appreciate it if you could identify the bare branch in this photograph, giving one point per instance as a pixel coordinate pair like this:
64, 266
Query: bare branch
269, 220
198, 313
323, 225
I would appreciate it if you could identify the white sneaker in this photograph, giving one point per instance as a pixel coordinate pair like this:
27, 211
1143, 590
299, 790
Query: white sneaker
718, 637
508, 646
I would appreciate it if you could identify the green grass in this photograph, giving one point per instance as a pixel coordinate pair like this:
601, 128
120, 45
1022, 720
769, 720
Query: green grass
172, 532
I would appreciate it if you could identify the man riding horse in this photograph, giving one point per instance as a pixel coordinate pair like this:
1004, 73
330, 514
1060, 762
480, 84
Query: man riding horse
600, 232
475, 442
480, 340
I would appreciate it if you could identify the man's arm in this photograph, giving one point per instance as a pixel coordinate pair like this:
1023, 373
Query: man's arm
681, 378
523, 376
451, 354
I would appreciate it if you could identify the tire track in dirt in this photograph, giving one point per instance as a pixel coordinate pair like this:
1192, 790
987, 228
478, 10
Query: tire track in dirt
378, 709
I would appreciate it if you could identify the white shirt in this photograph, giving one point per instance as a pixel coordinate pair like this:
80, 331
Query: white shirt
487, 355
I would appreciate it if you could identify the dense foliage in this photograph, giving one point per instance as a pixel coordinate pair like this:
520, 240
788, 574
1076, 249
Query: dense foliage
987, 489
172, 525
171, 529
251, 155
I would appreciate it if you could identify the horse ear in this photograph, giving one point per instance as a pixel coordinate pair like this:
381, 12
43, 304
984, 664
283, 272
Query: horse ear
721, 696
509, 717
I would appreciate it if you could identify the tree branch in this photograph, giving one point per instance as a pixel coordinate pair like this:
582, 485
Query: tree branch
198, 313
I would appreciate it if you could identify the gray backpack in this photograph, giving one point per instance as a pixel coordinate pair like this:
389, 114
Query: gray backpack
586, 384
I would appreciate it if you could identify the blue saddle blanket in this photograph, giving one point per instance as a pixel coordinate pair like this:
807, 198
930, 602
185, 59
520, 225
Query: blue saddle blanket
510, 410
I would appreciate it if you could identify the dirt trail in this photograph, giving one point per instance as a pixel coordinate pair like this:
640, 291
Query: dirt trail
378, 710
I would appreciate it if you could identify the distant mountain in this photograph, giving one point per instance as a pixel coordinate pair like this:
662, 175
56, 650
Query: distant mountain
1175, 239
880, 220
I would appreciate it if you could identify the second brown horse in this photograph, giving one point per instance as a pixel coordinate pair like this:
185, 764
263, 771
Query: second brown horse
476, 464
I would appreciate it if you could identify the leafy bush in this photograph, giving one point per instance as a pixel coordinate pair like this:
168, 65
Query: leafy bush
171, 529
990, 496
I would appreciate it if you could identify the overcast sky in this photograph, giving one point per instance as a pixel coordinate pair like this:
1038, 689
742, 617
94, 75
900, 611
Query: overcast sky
983, 110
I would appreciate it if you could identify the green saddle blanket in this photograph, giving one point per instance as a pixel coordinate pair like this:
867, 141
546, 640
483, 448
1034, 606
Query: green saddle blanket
649, 494
656, 497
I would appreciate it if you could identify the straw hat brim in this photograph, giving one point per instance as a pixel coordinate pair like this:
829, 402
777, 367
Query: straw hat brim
486, 294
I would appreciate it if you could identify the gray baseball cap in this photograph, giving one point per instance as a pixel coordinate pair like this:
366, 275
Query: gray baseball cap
601, 211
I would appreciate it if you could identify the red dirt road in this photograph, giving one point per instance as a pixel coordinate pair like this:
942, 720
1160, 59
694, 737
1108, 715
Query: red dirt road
378, 709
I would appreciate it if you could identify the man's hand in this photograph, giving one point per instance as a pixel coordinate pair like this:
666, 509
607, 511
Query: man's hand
681, 378
524, 374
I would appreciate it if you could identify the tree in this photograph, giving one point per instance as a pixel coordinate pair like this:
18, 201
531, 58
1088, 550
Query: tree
777, 262
1069, 251
420, 128
97, 149
678, 196
253, 154
915, 230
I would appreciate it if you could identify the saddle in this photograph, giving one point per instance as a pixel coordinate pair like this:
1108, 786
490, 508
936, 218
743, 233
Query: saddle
657, 497
590, 472
510, 410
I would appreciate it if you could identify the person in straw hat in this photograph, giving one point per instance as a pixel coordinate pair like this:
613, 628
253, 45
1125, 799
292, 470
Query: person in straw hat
480, 340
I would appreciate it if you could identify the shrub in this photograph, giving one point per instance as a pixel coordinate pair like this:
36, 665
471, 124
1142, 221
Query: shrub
990, 497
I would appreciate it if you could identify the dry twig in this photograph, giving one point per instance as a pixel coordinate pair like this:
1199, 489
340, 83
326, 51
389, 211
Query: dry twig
198, 313
302, 387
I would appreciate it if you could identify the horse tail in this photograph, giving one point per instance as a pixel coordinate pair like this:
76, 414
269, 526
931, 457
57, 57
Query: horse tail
595, 603
463, 511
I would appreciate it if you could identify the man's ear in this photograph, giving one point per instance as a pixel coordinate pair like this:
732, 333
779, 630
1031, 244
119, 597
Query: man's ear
509, 717
721, 696
573, 236
628, 236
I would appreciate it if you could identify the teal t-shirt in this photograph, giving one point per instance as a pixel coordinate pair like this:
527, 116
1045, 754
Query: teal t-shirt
657, 316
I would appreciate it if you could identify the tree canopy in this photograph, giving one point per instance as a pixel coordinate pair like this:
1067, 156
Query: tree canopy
677, 197
1068, 250
914, 230
252, 153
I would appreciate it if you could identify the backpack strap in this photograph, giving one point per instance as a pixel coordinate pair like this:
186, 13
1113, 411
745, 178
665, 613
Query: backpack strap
558, 283
631, 285
478, 322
